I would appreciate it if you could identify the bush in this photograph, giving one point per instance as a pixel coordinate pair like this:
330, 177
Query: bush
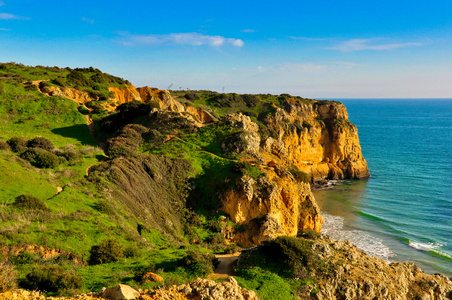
107, 251
131, 251
40, 142
24, 258
46, 160
8, 277
18, 144
96, 107
299, 175
71, 155
199, 263
291, 254
4, 146
191, 96
59, 81
51, 278
27, 201
83, 110
309, 234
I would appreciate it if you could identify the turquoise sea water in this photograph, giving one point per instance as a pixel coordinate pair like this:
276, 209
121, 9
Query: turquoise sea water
403, 212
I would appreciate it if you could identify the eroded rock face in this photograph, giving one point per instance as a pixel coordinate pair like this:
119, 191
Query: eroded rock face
270, 206
163, 98
318, 138
123, 95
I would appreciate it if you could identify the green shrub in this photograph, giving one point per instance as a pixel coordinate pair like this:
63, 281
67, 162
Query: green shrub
95, 106
71, 155
199, 263
299, 175
292, 254
24, 258
59, 81
30, 154
83, 109
18, 144
40, 142
8, 277
107, 251
309, 234
47, 160
51, 278
27, 201
191, 96
131, 251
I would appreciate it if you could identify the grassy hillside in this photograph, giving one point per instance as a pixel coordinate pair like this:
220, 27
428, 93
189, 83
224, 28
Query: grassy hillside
146, 204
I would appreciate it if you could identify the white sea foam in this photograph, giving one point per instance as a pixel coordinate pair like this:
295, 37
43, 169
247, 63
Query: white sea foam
429, 247
423, 246
334, 227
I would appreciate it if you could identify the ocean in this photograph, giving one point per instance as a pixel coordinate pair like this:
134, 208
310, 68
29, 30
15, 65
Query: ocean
403, 212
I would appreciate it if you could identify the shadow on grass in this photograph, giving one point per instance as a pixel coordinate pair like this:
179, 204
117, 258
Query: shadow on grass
79, 132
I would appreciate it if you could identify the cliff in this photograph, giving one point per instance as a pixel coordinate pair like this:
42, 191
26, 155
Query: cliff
293, 142
318, 138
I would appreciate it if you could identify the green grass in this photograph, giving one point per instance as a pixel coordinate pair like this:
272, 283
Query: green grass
17, 178
267, 285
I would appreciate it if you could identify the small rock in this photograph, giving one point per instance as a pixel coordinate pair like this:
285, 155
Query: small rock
149, 276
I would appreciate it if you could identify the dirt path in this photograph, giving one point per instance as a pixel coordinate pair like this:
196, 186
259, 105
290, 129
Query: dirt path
226, 266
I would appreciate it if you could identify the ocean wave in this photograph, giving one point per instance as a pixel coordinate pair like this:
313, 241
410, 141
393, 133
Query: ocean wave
334, 227
431, 248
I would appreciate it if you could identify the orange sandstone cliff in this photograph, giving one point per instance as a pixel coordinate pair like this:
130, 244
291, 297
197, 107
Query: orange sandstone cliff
309, 141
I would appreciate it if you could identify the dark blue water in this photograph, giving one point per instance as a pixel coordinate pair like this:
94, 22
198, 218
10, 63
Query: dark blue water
403, 212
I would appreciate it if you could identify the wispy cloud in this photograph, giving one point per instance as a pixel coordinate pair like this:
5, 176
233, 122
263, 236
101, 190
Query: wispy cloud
2, 3
248, 30
4, 29
369, 44
6, 16
89, 21
190, 38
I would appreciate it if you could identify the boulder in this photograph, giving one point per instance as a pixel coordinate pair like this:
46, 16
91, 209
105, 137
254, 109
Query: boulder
120, 292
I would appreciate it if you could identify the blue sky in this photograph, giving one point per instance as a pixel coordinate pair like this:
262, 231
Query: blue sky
317, 49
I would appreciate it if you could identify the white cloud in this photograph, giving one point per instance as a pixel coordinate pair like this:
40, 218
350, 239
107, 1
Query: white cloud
89, 21
190, 38
369, 44
6, 16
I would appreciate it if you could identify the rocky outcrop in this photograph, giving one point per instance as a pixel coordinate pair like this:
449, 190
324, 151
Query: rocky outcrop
202, 289
270, 206
357, 275
45, 253
318, 138
123, 95
277, 202
161, 97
